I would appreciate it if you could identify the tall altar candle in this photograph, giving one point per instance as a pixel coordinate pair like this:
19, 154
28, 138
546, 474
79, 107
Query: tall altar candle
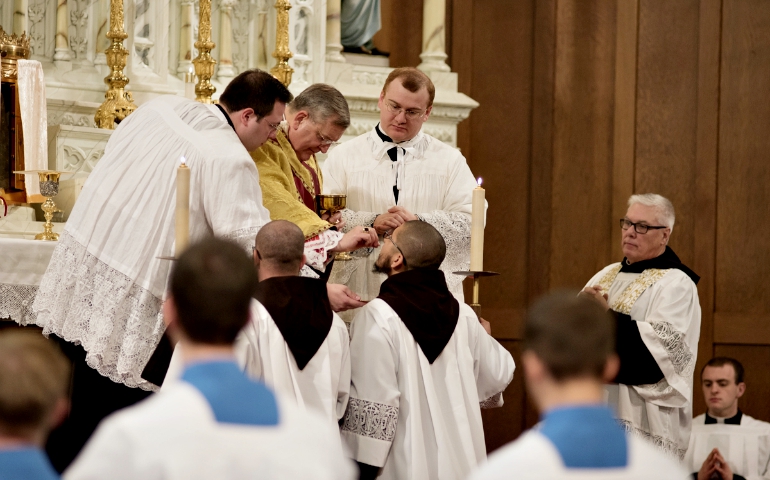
477, 229
182, 217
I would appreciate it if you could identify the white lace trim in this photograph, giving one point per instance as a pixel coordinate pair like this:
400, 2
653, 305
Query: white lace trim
355, 219
371, 419
661, 443
317, 248
494, 401
84, 301
16, 303
244, 237
455, 227
673, 341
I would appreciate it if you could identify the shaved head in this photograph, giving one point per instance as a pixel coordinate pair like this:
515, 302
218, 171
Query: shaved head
281, 245
422, 244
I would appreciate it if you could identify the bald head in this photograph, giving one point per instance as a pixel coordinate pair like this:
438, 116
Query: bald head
280, 247
422, 245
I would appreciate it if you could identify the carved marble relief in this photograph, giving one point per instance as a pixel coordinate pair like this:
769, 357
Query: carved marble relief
79, 15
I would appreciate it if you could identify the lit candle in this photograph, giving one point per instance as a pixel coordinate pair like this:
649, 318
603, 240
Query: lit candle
189, 84
477, 229
182, 217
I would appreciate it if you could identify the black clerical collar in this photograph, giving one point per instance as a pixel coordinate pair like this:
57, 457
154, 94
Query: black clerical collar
301, 310
424, 303
734, 420
382, 136
227, 117
668, 259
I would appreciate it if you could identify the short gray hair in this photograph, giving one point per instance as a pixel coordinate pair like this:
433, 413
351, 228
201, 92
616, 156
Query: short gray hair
663, 207
322, 102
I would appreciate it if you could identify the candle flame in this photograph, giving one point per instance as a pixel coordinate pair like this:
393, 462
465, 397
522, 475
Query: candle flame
190, 70
182, 162
479, 181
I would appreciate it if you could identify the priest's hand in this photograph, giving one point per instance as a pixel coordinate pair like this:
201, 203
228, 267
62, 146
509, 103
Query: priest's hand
402, 212
595, 293
335, 220
487, 326
386, 222
359, 237
342, 298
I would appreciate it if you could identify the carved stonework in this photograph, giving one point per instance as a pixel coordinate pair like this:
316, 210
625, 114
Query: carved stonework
370, 78
79, 27
241, 35
78, 160
36, 15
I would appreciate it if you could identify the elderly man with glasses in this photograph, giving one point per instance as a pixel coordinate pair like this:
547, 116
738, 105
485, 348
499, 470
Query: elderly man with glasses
396, 173
654, 299
291, 178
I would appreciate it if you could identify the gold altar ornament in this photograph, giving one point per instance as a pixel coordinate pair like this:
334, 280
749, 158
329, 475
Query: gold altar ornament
332, 204
49, 188
12, 49
204, 62
118, 103
282, 71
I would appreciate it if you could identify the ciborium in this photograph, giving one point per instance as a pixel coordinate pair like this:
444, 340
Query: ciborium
49, 188
332, 204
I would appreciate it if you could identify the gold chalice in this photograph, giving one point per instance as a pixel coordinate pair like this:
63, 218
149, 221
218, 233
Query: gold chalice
332, 204
49, 188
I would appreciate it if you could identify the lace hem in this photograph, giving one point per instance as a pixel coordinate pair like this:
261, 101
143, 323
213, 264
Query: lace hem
455, 227
661, 443
494, 401
673, 341
86, 302
243, 237
16, 303
317, 248
371, 419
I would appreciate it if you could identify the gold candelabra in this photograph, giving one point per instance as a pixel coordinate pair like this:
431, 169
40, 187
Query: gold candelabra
118, 103
204, 62
282, 71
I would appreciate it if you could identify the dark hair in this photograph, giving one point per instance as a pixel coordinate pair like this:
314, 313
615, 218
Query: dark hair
34, 375
212, 284
572, 335
422, 245
254, 89
721, 361
282, 244
413, 80
323, 102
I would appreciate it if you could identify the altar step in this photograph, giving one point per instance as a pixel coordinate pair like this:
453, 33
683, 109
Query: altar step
366, 60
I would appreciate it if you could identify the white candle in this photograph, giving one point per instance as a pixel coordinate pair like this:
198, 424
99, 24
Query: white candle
182, 216
477, 229
189, 84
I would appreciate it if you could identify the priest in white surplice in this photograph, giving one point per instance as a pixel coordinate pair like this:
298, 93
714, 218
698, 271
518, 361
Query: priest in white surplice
725, 441
568, 354
655, 301
294, 342
422, 364
396, 173
104, 286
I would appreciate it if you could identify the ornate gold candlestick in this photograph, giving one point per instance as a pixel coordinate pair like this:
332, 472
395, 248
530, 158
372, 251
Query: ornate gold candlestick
204, 62
118, 103
282, 71
332, 204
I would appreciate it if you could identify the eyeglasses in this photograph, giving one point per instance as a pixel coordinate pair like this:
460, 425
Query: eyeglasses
273, 126
389, 236
325, 140
625, 224
411, 114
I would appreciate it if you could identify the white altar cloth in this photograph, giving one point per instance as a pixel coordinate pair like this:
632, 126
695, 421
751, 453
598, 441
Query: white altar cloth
22, 266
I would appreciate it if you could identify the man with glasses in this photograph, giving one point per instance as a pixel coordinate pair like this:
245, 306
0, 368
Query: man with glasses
396, 173
291, 178
654, 299
422, 367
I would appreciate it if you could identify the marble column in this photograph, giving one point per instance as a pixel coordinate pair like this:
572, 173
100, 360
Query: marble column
103, 26
433, 54
186, 19
62, 47
225, 69
333, 43
20, 22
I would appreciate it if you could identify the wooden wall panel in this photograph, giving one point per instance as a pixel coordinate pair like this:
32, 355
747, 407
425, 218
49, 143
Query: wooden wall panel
743, 256
401, 32
582, 146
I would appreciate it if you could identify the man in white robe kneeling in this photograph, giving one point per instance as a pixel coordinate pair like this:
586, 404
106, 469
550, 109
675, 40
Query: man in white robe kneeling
568, 354
214, 422
654, 299
294, 342
422, 363
726, 443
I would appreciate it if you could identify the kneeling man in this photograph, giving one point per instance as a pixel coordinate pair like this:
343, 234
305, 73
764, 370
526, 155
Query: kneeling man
725, 442
295, 342
421, 365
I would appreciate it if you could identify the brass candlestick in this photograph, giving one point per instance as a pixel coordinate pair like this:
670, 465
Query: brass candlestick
476, 305
204, 62
332, 204
118, 103
282, 71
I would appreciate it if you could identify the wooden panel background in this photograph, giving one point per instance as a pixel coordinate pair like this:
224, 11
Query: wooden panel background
584, 102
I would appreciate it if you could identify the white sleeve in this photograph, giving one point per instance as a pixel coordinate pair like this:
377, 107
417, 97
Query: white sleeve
343, 392
247, 345
108, 454
372, 413
492, 364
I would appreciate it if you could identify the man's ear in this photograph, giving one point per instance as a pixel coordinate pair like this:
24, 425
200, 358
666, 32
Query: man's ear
534, 369
666, 235
611, 368
741, 389
427, 112
242, 117
298, 118
397, 262
169, 311
304, 261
